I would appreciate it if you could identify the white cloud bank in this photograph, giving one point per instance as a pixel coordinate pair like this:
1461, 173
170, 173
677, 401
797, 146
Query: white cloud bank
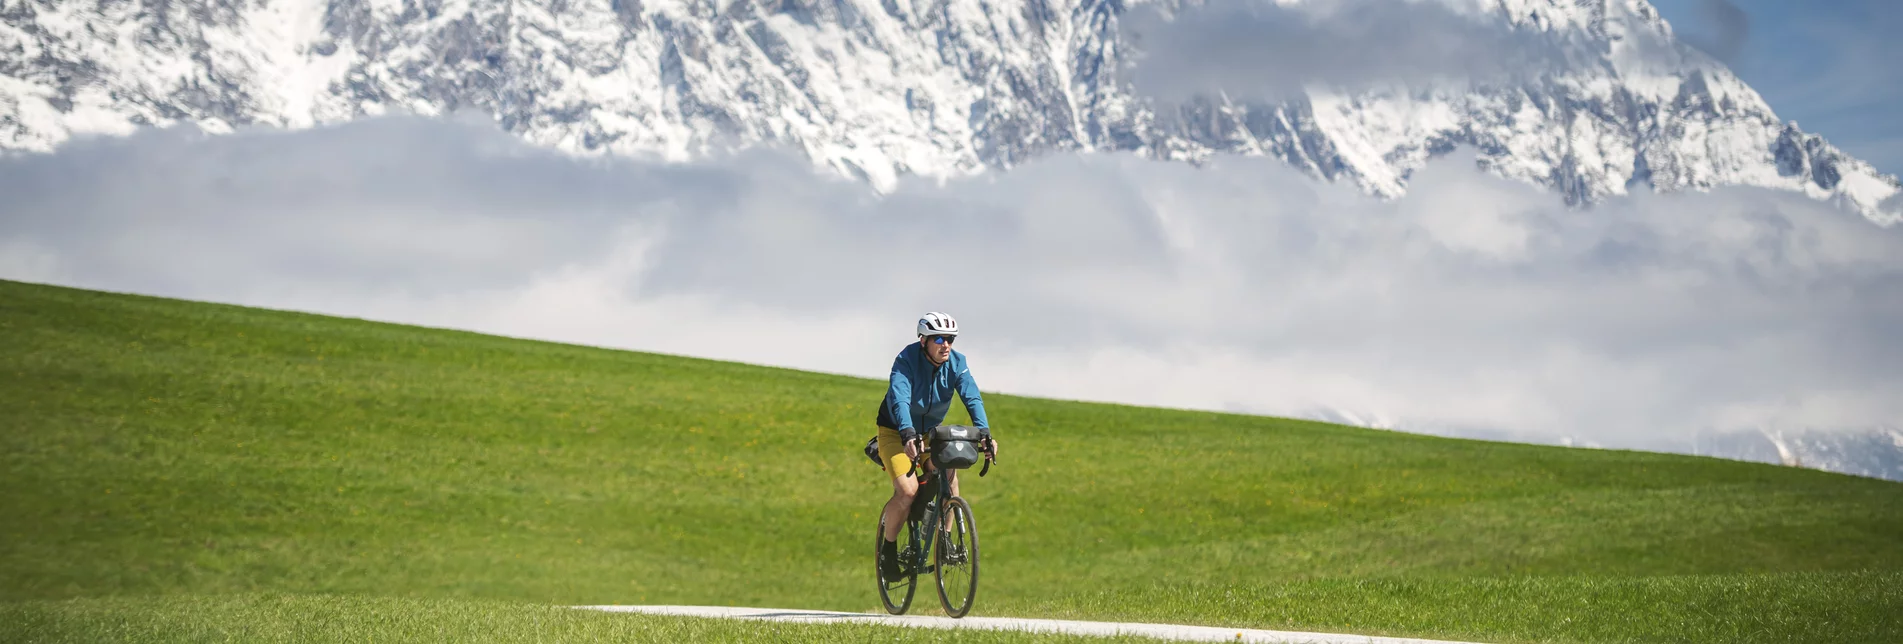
1474, 305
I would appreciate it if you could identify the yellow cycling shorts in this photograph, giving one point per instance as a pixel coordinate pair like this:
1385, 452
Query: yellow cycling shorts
892, 452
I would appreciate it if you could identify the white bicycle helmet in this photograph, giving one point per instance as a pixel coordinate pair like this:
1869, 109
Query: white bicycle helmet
936, 323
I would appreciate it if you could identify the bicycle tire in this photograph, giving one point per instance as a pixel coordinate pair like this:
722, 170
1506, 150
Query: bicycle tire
957, 552
887, 587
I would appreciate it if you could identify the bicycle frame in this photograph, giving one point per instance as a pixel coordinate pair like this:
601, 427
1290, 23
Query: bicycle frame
920, 562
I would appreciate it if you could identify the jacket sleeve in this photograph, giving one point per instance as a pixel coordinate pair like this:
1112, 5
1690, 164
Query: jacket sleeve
974, 403
898, 396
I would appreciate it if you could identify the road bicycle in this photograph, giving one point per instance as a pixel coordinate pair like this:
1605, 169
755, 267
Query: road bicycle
939, 536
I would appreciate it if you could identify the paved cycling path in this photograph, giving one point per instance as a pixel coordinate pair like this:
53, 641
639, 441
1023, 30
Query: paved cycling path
1163, 631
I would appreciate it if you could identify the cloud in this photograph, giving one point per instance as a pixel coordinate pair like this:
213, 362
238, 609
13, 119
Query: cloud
1269, 51
1474, 305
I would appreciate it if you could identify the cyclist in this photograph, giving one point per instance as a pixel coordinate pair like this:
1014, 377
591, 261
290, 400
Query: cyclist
924, 378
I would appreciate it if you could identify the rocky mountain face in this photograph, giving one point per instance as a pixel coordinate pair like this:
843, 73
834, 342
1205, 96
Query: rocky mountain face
878, 89
1876, 454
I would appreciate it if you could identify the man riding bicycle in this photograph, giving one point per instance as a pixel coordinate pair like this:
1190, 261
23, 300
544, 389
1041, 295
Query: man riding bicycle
924, 378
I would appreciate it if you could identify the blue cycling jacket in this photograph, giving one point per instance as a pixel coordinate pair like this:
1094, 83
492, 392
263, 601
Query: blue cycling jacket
920, 392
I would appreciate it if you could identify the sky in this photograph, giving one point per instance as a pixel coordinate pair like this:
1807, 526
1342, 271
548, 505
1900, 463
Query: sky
1835, 67
1474, 305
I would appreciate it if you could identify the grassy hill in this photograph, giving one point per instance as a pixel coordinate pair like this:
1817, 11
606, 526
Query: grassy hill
176, 468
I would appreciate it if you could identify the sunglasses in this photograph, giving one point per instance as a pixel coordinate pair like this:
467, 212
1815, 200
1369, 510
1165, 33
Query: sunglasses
941, 339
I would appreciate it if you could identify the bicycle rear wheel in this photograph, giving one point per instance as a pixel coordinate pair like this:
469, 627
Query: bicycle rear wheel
957, 558
895, 593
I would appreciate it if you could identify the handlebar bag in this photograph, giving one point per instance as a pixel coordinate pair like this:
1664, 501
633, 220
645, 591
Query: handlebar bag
955, 447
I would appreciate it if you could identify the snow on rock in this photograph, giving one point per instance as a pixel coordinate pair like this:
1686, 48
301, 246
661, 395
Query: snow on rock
879, 89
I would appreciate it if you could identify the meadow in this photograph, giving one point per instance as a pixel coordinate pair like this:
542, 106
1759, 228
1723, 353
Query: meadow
182, 471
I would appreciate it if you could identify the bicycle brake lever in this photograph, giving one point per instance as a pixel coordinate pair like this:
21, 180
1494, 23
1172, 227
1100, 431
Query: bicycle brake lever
921, 456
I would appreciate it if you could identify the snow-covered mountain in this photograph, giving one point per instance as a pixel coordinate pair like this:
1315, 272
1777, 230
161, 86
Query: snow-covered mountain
1876, 453
877, 89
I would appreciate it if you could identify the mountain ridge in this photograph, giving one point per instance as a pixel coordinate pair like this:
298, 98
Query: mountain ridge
878, 89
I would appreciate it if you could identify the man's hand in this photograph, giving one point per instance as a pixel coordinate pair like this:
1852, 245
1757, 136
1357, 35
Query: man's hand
912, 449
992, 443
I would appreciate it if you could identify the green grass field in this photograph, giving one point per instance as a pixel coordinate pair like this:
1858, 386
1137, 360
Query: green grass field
188, 471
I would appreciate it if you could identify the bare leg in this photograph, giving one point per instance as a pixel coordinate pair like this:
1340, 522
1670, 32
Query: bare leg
903, 489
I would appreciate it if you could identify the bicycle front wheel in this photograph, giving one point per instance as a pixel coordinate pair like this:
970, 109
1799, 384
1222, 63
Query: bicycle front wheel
957, 558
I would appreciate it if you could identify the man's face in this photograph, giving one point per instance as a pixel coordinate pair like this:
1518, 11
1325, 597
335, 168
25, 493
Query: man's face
937, 347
